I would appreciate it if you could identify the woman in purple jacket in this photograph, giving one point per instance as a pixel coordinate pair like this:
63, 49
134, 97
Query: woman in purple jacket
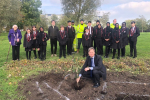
14, 38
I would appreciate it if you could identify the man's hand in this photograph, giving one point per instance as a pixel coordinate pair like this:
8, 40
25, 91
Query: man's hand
78, 79
17, 40
43, 39
9, 42
49, 39
34, 38
86, 69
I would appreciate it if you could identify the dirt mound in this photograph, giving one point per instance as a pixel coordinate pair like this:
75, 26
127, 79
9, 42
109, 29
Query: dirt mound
120, 86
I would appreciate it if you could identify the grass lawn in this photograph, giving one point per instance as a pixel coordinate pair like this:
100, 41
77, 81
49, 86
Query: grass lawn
11, 73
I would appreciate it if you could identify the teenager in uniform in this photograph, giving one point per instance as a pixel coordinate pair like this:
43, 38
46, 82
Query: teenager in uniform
124, 32
116, 40
35, 41
52, 33
133, 34
98, 36
62, 37
71, 35
86, 42
43, 37
27, 44
107, 33
91, 30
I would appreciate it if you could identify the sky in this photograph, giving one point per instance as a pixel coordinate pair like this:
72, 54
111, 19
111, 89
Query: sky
119, 9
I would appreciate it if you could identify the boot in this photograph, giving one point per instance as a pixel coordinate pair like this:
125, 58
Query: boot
77, 50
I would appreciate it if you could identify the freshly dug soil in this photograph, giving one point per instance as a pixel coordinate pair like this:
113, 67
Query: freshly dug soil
52, 86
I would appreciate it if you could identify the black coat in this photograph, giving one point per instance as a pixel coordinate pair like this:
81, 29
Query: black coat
107, 34
124, 32
52, 32
135, 35
98, 65
86, 40
35, 41
62, 37
43, 36
70, 31
116, 36
28, 41
92, 31
98, 36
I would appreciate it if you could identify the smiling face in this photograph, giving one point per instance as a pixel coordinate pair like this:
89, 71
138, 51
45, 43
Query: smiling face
133, 24
62, 28
34, 28
41, 29
28, 31
87, 30
123, 24
15, 28
69, 24
81, 22
114, 21
117, 25
89, 24
53, 23
108, 24
91, 53
99, 26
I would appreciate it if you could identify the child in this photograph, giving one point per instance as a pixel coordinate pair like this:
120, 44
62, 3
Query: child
43, 37
35, 41
28, 40
62, 37
86, 42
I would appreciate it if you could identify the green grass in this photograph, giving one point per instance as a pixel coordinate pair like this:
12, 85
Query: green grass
12, 73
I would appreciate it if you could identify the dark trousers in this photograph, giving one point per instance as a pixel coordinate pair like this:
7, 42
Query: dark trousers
99, 48
69, 45
15, 52
85, 51
133, 47
79, 42
123, 52
96, 74
62, 50
28, 55
107, 50
53, 43
43, 52
114, 52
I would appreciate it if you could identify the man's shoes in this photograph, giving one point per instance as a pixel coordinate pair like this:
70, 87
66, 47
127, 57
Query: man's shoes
118, 57
131, 55
55, 55
113, 57
105, 56
52, 55
96, 85
64, 56
134, 56
59, 57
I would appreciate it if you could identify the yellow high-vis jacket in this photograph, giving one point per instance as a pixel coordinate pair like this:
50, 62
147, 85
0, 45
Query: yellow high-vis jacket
80, 30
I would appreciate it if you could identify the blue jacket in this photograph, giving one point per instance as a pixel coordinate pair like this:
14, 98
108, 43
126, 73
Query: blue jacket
13, 36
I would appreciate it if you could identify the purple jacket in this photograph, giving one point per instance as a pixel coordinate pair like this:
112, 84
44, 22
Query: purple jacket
13, 36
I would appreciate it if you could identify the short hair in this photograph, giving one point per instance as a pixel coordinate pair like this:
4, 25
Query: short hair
14, 26
133, 22
91, 48
114, 19
52, 21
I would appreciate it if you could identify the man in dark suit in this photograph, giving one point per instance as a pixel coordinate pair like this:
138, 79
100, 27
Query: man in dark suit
52, 32
93, 68
133, 34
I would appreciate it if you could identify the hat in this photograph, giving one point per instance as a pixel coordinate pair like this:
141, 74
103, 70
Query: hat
97, 21
72, 21
81, 20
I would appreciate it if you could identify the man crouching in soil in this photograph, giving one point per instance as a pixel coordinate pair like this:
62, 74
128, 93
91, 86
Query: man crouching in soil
93, 68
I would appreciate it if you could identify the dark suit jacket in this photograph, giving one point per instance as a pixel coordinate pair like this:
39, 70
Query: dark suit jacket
52, 33
135, 35
62, 41
98, 65
28, 44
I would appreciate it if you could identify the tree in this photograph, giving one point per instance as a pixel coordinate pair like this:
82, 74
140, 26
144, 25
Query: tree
9, 13
43, 22
104, 19
31, 11
77, 9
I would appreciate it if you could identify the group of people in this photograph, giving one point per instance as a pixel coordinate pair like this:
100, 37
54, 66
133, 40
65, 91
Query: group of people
113, 37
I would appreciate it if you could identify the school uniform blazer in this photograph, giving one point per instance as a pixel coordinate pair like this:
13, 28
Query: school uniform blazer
135, 35
98, 65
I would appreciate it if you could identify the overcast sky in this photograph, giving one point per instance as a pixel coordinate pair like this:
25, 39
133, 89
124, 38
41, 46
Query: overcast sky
119, 9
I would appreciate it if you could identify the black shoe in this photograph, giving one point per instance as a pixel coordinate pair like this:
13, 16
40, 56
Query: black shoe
131, 55
64, 56
35, 57
113, 57
105, 56
118, 57
96, 85
59, 57
134, 56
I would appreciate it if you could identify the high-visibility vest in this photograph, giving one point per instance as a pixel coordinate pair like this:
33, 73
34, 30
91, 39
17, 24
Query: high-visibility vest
113, 26
80, 30
75, 28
